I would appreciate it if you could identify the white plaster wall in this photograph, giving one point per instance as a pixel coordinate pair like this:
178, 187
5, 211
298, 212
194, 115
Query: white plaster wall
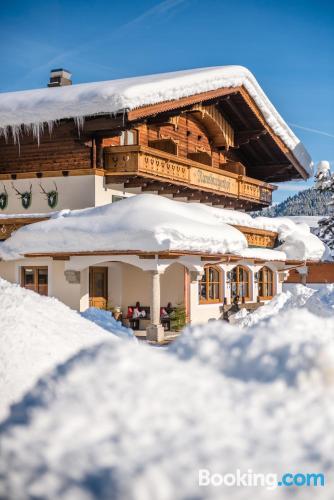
66, 292
7, 271
172, 285
136, 286
84, 290
115, 289
104, 192
201, 313
58, 287
74, 192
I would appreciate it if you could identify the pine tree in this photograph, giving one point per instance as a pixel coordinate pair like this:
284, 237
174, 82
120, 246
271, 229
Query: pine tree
324, 181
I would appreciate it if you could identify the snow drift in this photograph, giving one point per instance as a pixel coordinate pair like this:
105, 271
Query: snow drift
319, 302
36, 334
107, 322
121, 420
35, 108
153, 223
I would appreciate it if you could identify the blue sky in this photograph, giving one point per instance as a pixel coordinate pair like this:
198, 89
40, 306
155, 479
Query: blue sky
288, 45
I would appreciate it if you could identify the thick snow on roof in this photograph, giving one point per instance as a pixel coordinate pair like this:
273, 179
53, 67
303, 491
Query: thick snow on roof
125, 421
33, 108
153, 223
143, 222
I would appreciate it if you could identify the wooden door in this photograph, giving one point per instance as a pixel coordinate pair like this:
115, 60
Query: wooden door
98, 287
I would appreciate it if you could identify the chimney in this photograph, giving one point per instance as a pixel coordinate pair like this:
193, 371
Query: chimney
59, 78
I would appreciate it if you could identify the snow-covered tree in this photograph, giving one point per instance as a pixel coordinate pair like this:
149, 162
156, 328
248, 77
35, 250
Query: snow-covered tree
324, 181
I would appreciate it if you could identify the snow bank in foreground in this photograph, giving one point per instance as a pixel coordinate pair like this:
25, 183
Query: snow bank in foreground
35, 107
36, 334
126, 421
133, 224
106, 321
276, 350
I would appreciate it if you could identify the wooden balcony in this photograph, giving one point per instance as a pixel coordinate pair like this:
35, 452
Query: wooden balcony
122, 163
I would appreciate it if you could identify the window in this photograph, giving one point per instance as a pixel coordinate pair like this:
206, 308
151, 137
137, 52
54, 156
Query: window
35, 279
128, 138
210, 286
239, 283
266, 287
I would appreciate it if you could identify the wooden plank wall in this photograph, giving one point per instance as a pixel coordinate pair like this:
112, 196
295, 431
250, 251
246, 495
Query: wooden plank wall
64, 150
319, 272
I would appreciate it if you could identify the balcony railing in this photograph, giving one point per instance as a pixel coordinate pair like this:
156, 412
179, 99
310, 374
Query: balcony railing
121, 161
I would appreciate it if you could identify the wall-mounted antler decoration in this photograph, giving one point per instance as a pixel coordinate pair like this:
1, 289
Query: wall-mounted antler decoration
3, 198
26, 196
51, 196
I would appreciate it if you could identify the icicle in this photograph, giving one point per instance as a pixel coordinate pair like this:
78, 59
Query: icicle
50, 125
79, 121
4, 133
16, 132
37, 130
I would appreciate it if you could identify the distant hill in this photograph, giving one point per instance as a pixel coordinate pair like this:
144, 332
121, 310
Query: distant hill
308, 202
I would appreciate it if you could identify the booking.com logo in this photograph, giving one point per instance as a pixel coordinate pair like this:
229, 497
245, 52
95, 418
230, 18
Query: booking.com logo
270, 481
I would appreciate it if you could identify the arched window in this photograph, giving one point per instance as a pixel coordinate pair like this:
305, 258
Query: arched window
210, 287
266, 283
239, 283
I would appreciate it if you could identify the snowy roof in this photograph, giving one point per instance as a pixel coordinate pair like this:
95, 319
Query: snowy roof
33, 108
153, 223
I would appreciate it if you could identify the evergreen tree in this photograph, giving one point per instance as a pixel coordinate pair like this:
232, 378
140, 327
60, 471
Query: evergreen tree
310, 202
324, 182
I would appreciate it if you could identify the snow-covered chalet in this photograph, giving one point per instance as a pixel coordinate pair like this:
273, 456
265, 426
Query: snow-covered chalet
133, 194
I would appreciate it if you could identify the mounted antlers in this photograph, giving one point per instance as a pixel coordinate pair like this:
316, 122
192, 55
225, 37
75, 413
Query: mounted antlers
19, 194
51, 196
3, 198
25, 196
48, 193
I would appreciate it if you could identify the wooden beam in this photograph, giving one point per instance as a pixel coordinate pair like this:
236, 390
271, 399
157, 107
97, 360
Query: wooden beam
235, 110
152, 186
246, 136
99, 152
136, 182
105, 123
170, 190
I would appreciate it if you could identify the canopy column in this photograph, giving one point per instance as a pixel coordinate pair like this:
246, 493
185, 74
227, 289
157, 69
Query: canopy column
155, 331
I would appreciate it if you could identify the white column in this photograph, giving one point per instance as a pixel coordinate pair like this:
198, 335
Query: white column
155, 299
155, 331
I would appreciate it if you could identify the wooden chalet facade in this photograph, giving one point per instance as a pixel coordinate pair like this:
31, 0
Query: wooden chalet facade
213, 147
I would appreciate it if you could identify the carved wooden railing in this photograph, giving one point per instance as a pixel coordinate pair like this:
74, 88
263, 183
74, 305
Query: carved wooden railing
165, 167
258, 237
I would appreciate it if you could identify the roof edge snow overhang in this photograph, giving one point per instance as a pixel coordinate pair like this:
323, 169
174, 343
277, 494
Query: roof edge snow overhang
184, 102
162, 255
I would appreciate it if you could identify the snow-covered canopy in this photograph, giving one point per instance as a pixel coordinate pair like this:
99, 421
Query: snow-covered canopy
34, 108
153, 223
